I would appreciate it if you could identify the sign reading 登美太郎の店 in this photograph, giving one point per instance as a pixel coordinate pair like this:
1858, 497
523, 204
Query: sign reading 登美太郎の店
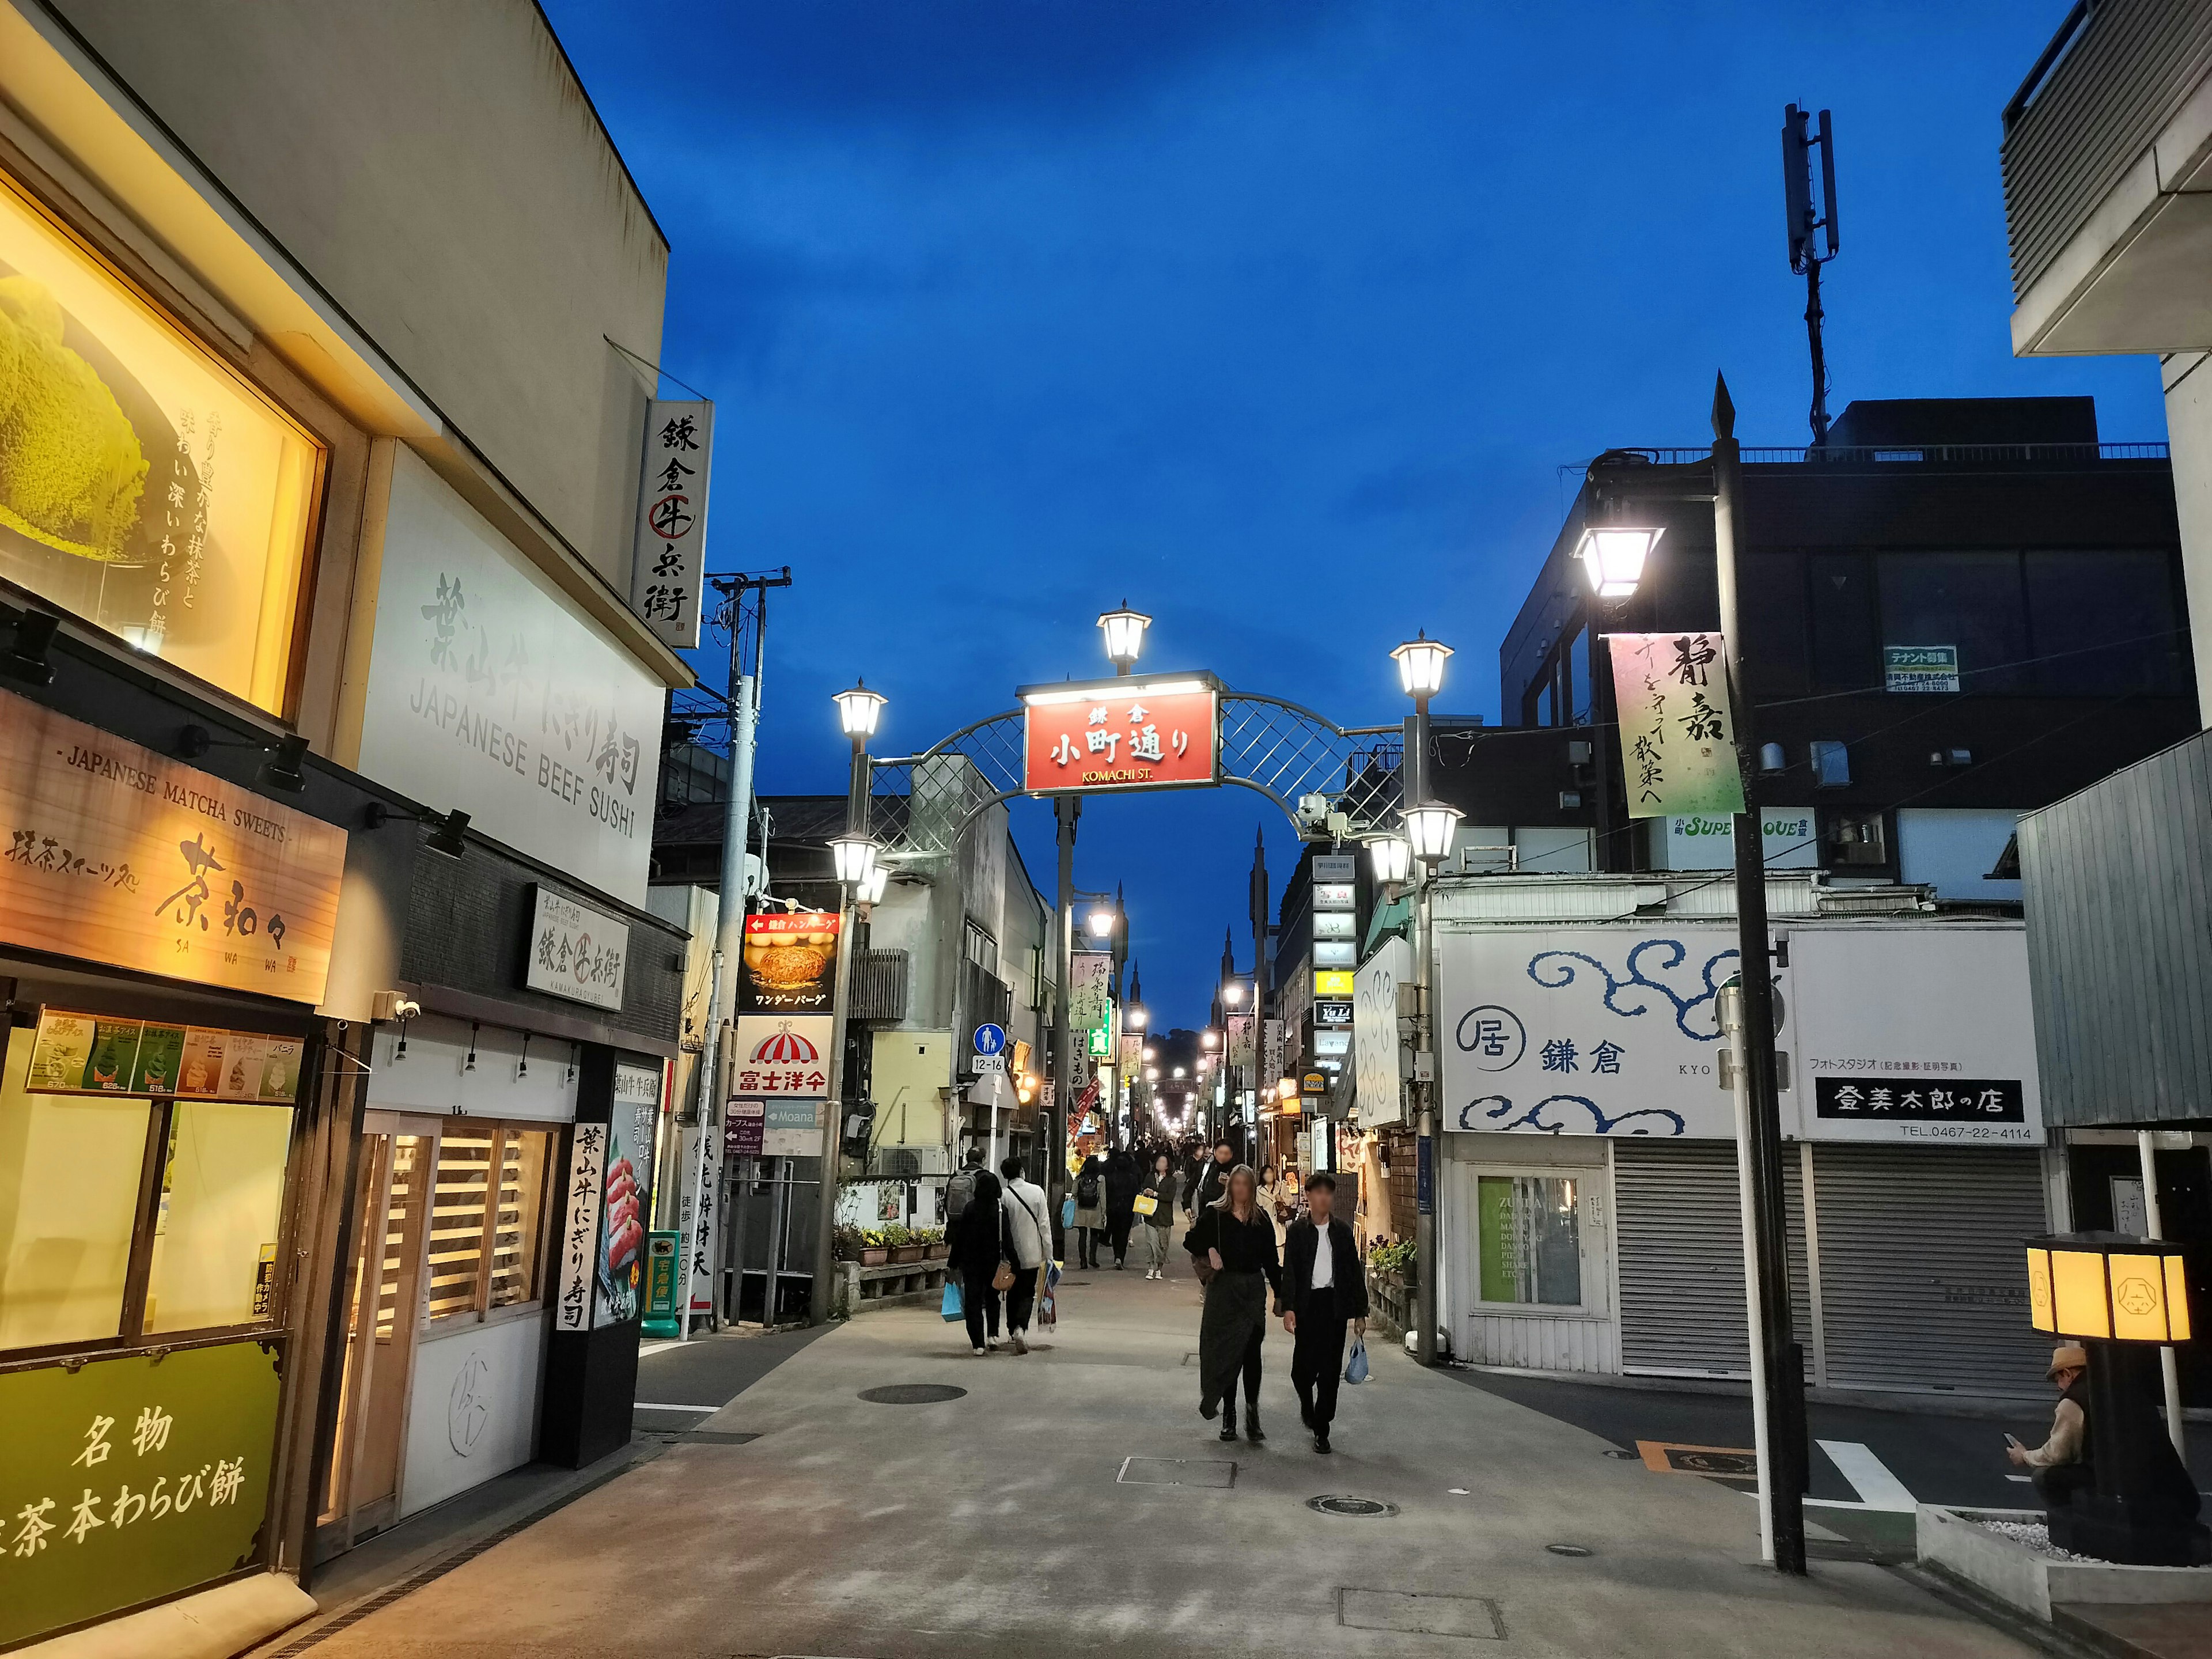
575, 951
1920, 668
1677, 733
670, 563
74, 1053
489, 691
125, 1481
111, 853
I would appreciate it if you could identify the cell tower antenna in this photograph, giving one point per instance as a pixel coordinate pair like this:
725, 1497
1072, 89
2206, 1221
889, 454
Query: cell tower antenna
1812, 236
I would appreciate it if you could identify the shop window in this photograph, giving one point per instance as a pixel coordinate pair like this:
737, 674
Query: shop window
1529, 1240
519, 1227
2105, 624
1840, 616
1973, 604
487, 1235
1856, 843
223, 1199
143, 487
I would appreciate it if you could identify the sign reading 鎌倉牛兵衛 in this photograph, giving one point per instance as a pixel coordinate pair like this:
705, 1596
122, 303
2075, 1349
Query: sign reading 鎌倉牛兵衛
671, 520
1920, 668
575, 951
1677, 732
1155, 733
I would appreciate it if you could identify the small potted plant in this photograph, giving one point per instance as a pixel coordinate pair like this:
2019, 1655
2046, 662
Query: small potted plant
875, 1249
933, 1245
845, 1242
905, 1246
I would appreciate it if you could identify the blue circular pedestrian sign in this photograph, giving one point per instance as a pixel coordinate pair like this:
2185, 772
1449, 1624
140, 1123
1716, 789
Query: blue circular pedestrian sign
990, 1039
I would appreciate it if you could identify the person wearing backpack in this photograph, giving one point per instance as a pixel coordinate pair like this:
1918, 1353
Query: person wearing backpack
1323, 1287
979, 1247
1089, 1210
959, 1187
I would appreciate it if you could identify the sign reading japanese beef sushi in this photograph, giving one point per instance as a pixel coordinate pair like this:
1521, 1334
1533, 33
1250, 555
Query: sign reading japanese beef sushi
791, 963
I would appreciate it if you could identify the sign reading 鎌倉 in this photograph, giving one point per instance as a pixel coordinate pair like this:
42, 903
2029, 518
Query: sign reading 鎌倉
122, 1481
580, 1227
782, 1056
75, 1053
111, 853
1120, 734
575, 951
670, 566
1677, 735
1377, 1085
791, 963
1920, 667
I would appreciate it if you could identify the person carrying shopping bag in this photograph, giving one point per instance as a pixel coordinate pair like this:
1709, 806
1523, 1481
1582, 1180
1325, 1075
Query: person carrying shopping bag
979, 1247
1089, 1210
1028, 1232
1324, 1285
1155, 1208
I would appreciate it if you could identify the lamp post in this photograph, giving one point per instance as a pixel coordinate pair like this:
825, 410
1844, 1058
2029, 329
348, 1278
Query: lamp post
1614, 557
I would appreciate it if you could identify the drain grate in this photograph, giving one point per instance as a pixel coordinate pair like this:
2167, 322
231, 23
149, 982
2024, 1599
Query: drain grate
912, 1394
1176, 1472
1356, 1508
1413, 1613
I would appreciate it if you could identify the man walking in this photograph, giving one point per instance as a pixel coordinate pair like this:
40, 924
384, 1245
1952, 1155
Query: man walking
1214, 1178
1027, 1228
1323, 1287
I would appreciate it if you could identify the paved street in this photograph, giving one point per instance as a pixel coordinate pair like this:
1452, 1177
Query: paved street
994, 1523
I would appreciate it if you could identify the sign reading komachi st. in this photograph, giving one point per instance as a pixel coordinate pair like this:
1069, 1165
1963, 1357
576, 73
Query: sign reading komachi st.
1159, 732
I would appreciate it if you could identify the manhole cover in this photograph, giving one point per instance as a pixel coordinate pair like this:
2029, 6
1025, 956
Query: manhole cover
1176, 1472
911, 1394
1338, 1503
1569, 1549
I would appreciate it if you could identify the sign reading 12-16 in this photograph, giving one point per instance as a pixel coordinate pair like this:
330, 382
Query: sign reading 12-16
1157, 733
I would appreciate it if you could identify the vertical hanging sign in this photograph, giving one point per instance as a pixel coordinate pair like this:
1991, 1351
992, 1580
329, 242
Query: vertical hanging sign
670, 568
579, 1228
1677, 731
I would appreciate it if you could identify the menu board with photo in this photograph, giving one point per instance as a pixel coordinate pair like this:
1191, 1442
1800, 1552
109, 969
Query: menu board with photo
74, 1053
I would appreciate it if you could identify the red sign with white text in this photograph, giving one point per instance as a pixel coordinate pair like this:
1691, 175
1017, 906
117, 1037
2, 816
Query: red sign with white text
1120, 734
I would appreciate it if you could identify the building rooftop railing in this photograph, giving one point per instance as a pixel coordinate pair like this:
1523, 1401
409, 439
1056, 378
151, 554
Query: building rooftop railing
2011, 455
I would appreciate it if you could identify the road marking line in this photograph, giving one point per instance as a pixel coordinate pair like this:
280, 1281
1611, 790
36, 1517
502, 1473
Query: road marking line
1869, 1476
2024, 1480
655, 1347
647, 1406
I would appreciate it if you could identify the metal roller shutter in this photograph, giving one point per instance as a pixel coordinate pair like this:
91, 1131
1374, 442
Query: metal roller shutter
1680, 1235
1924, 1284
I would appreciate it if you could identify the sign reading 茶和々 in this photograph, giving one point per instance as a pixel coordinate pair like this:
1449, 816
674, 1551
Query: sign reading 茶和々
575, 951
1120, 734
791, 963
670, 564
489, 691
124, 1482
113, 854
1677, 734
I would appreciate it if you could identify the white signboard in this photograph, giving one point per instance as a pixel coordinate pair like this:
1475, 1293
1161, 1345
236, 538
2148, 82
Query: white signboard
1915, 1034
580, 1227
1707, 841
783, 1057
670, 570
1587, 1031
793, 1128
578, 953
488, 692
1380, 1094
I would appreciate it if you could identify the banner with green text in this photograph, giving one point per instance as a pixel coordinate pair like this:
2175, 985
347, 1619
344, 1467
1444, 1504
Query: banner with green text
1677, 731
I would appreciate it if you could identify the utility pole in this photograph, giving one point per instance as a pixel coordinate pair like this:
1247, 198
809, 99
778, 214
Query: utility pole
737, 817
1258, 1081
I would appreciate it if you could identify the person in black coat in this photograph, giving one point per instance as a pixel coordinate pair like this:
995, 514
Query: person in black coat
1232, 1248
977, 1243
1122, 1182
1324, 1285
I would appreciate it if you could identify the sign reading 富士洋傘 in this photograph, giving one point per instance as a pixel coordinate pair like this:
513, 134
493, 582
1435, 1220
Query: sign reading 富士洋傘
1677, 732
1120, 734
785, 1056
113, 854
127, 1480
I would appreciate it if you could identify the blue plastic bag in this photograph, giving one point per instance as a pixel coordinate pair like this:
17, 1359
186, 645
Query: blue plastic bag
1355, 1368
1067, 1211
952, 1309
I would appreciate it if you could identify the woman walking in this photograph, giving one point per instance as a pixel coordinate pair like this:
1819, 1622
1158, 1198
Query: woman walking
1232, 1247
1161, 1190
1090, 1209
977, 1243
1122, 1182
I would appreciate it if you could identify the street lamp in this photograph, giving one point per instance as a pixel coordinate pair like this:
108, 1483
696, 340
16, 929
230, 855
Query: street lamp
854, 856
1613, 554
871, 891
1421, 667
1125, 637
1233, 992
1212, 1039
1429, 829
858, 710
1392, 857
1100, 922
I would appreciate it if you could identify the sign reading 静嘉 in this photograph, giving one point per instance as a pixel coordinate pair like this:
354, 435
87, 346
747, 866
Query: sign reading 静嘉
1120, 734
575, 951
670, 564
1920, 668
1677, 733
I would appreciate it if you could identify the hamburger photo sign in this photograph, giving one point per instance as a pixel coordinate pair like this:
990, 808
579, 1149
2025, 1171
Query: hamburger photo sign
791, 963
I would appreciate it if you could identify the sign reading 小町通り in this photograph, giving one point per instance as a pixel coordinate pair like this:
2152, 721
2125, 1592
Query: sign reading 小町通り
124, 1482
488, 691
111, 853
782, 1056
1920, 667
1677, 734
791, 963
1375, 1045
580, 1227
1707, 841
143, 486
1120, 734
671, 565
575, 951
74, 1053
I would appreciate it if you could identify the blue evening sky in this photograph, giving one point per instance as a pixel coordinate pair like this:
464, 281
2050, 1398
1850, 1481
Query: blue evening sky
1279, 317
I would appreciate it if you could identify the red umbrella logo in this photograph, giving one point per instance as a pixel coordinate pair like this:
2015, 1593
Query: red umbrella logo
786, 1047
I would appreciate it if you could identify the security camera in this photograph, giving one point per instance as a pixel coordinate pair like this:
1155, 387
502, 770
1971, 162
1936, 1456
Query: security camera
391, 1004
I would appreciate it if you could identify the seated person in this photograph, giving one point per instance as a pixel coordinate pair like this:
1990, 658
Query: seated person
2061, 1466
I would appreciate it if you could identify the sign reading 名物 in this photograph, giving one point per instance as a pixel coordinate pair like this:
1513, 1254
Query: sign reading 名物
580, 1227
1920, 668
1677, 734
1124, 734
75, 1053
113, 854
782, 1056
670, 564
125, 1480
791, 963
575, 951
